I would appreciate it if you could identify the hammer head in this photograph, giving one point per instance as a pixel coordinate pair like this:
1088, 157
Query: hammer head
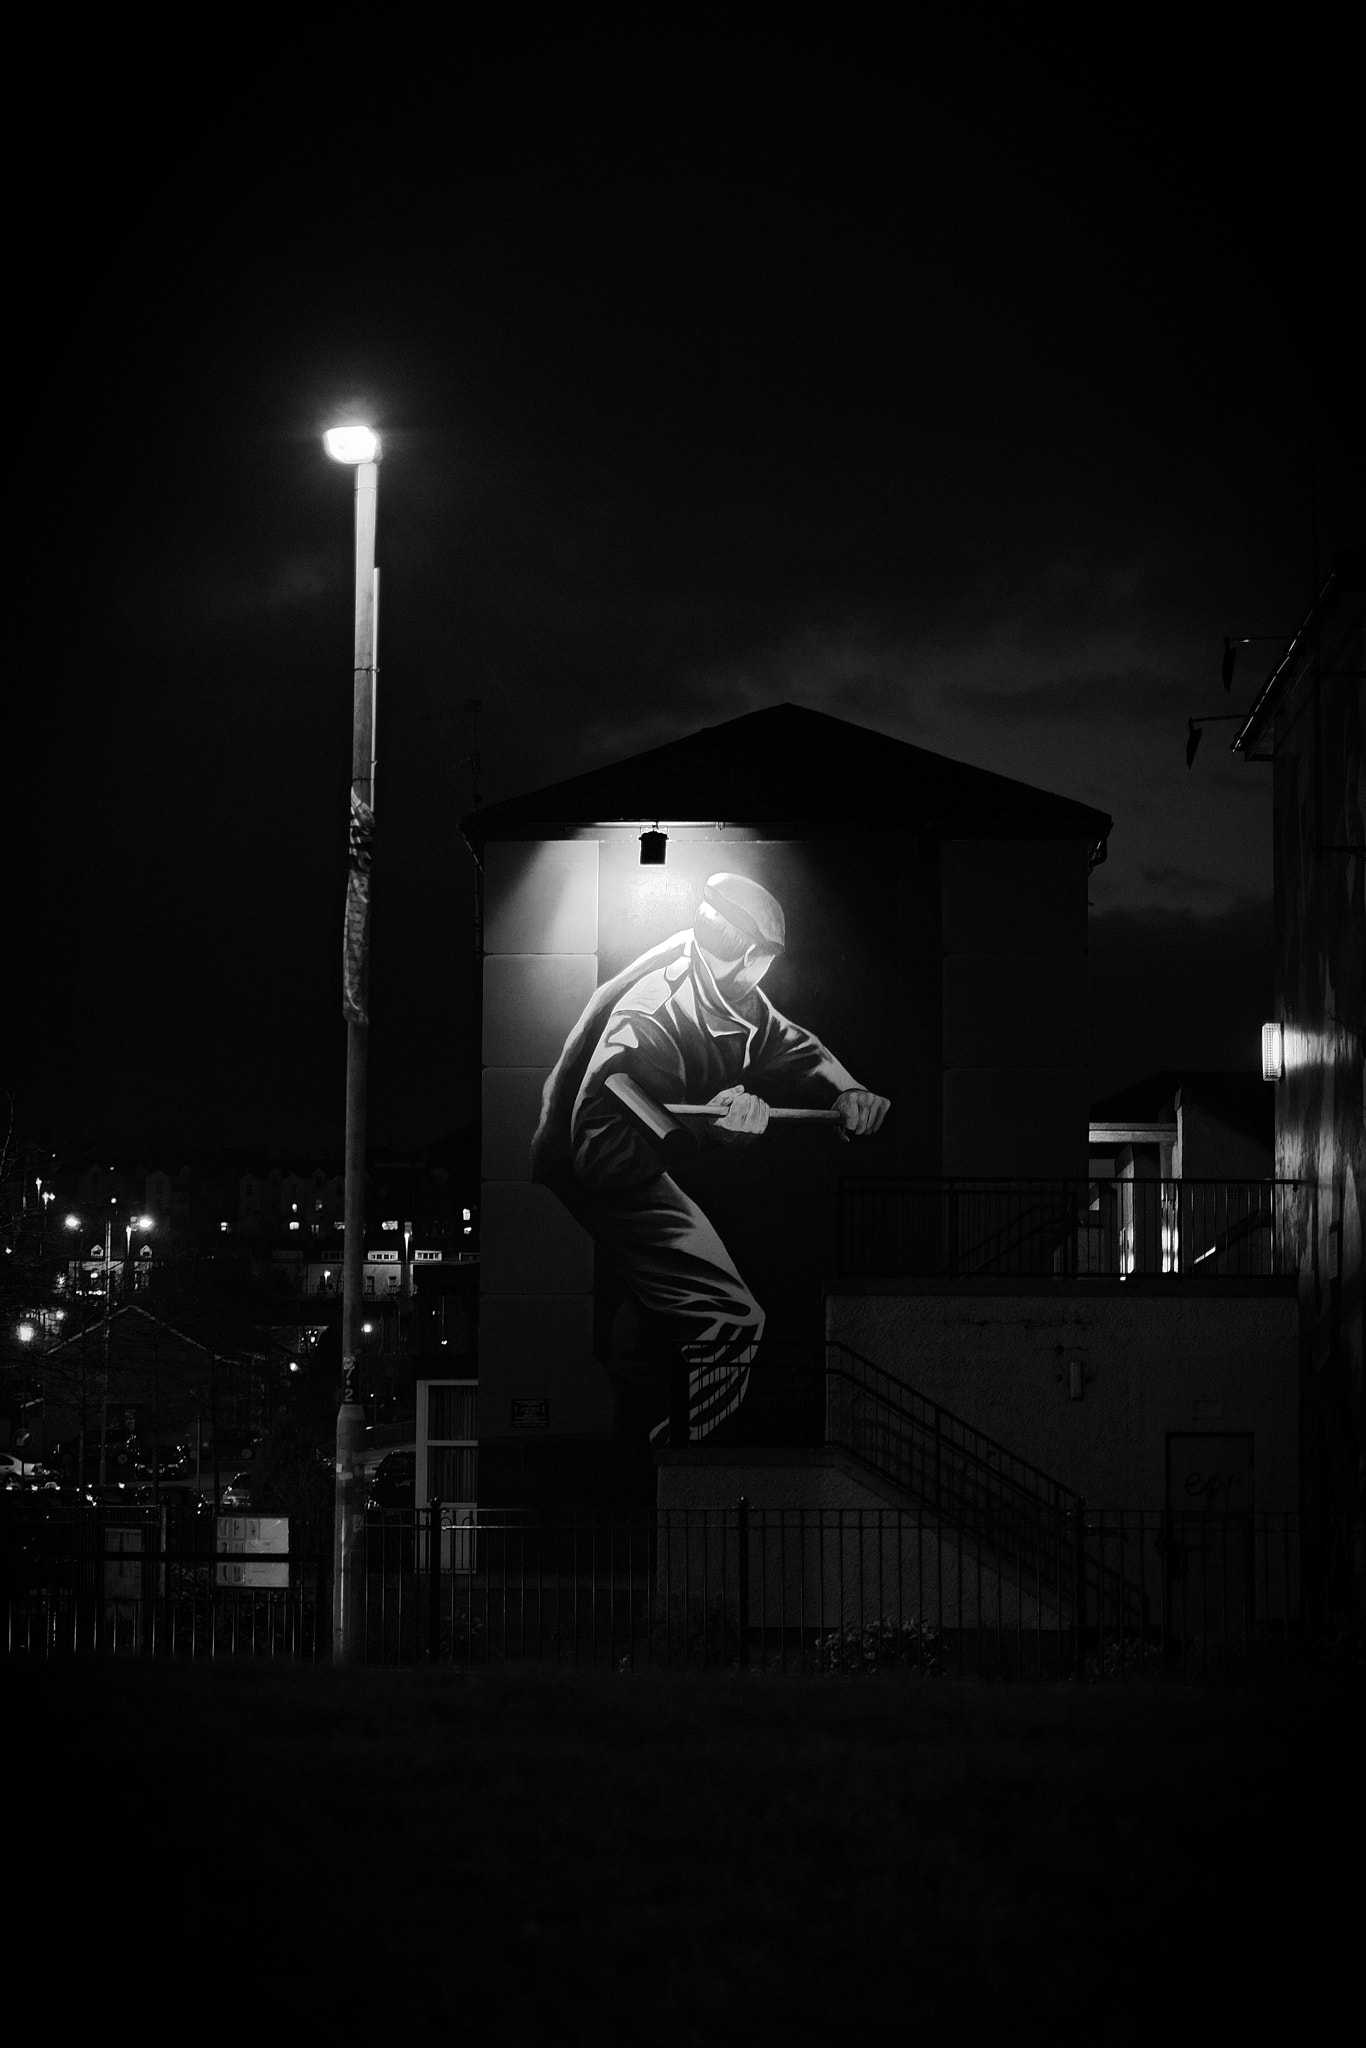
650, 1119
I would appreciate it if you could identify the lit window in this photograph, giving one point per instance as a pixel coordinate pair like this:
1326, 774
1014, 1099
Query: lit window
225, 1226
294, 1223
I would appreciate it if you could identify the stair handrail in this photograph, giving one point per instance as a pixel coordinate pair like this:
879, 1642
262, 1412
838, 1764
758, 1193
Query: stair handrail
1051, 1537
973, 1444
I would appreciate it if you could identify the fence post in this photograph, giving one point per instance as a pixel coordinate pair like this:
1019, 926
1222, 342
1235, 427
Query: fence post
433, 1577
1079, 1568
742, 1561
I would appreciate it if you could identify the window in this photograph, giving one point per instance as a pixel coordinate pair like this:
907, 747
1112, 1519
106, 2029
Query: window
448, 1460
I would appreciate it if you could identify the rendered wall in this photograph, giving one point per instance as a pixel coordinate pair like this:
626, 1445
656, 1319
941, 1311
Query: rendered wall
536, 1266
950, 981
1016, 1080
1216, 1364
1320, 885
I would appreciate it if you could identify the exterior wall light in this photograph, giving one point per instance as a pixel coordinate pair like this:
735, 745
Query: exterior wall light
653, 847
1273, 1052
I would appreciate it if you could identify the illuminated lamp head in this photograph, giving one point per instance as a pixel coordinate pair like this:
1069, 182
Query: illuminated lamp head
352, 444
740, 930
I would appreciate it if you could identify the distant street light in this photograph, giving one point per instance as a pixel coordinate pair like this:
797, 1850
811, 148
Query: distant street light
358, 445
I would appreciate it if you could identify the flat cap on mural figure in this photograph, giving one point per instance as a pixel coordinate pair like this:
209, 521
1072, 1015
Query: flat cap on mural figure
687, 1023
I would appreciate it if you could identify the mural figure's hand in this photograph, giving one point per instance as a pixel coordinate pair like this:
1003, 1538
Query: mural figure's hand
861, 1112
746, 1116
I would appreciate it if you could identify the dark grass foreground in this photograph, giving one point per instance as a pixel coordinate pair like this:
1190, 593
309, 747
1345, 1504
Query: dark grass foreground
263, 1853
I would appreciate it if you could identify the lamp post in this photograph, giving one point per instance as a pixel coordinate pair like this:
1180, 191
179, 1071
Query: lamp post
127, 1288
358, 446
133, 1223
74, 1223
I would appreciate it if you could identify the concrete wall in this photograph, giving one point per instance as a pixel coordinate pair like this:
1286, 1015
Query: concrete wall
1152, 1364
536, 1269
1016, 1079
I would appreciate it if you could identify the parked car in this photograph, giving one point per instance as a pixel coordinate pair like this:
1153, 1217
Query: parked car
393, 1483
237, 1492
17, 1471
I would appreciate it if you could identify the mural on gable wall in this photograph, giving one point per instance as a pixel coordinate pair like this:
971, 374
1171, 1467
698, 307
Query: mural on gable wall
678, 1067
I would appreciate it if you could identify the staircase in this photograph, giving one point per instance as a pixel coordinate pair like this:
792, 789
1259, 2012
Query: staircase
1033, 1525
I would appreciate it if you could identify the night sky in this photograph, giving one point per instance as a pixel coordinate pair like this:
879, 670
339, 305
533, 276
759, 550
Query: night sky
974, 414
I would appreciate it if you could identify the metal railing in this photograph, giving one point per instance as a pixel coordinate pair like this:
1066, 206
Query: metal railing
999, 1501
157, 1581
783, 1590
1064, 1229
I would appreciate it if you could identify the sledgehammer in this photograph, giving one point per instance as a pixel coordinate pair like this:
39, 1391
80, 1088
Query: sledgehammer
658, 1121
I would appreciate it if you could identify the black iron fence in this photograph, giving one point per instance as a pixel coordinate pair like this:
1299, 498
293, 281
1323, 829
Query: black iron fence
169, 1580
1097, 1229
1096, 1594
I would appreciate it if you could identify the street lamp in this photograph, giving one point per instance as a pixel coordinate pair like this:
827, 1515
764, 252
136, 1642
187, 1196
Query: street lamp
133, 1223
357, 445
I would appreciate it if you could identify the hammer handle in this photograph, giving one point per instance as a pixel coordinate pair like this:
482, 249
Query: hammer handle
788, 1116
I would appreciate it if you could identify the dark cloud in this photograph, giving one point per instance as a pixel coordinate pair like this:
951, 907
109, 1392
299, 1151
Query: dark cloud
1178, 990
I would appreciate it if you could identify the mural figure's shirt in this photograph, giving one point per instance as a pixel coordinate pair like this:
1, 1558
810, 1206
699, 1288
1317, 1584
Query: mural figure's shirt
666, 1024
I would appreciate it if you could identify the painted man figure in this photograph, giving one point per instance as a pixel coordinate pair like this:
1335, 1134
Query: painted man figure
688, 1023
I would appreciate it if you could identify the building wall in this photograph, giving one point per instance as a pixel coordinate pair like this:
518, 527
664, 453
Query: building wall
536, 1274
951, 979
1180, 1362
1320, 813
1016, 1079
1209, 1146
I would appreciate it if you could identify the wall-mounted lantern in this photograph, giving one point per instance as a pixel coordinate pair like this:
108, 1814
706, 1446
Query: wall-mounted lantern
1273, 1052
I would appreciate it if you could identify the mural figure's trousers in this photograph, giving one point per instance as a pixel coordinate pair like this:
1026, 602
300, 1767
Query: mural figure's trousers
669, 1256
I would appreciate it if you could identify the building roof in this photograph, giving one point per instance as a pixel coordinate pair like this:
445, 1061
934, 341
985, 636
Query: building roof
131, 1319
787, 765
